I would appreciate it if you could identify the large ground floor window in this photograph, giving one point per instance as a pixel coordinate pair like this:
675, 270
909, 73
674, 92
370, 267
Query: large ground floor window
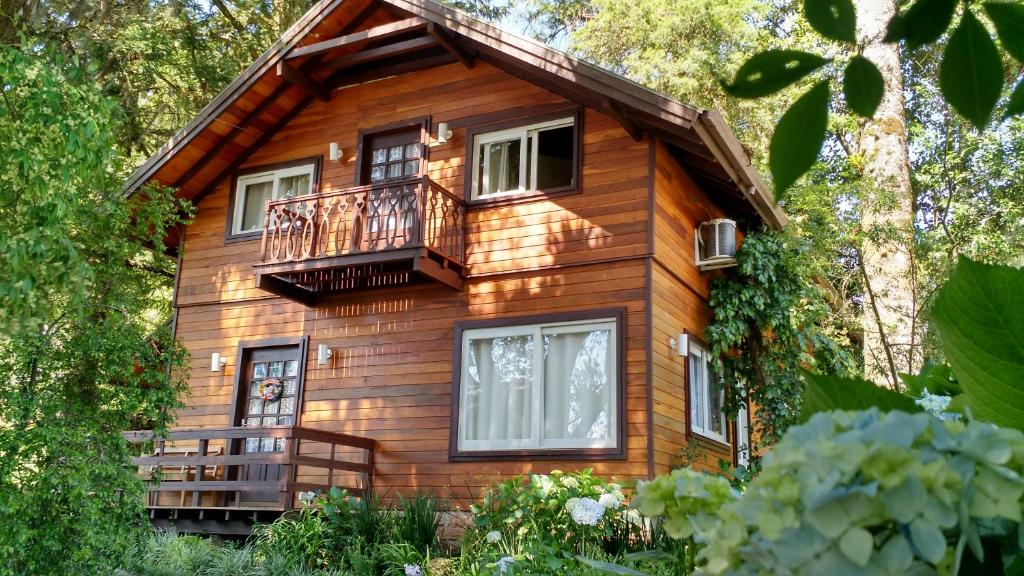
539, 385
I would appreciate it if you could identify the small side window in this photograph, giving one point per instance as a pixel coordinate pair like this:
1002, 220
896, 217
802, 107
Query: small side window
533, 158
255, 189
707, 394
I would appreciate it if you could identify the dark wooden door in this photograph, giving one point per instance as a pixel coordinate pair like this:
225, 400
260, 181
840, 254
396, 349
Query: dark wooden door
269, 397
392, 156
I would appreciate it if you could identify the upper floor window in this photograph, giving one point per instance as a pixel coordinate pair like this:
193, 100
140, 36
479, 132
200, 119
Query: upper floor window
254, 189
706, 394
539, 386
537, 157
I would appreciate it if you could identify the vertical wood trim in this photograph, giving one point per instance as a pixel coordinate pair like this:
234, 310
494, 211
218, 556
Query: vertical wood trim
649, 304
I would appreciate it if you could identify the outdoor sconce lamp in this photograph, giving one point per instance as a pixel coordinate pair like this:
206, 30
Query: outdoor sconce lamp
323, 354
443, 133
217, 362
335, 152
681, 344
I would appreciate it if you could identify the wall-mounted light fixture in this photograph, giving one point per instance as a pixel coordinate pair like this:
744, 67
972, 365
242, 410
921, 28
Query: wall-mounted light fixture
217, 362
335, 152
443, 133
680, 345
323, 354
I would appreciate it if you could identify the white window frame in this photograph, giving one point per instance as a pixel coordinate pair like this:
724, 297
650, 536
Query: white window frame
535, 441
523, 133
273, 176
704, 404
743, 435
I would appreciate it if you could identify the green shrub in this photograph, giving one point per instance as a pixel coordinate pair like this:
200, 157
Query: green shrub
417, 522
861, 493
301, 538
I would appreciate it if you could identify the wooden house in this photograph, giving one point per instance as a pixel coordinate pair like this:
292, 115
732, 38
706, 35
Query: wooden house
429, 254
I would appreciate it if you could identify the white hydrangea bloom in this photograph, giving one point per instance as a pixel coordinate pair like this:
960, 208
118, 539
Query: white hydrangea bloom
413, 570
609, 501
306, 497
570, 482
544, 482
587, 512
504, 563
936, 405
571, 504
493, 537
634, 517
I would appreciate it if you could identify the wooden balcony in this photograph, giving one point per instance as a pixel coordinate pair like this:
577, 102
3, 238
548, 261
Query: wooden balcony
222, 479
365, 237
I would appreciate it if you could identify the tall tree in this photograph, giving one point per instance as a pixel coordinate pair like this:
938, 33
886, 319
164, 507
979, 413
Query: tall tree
891, 338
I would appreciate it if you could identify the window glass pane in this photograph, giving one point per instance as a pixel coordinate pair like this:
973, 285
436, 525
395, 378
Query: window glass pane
266, 444
289, 387
275, 369
291, 186
376, 174
697, 389
272, 407
497, 383
394, 153
254, 204
499, 167
554, 158
256, 404
291, 368
259, 370
412, 150
288, 405
578, 385
715, 421
379, 156
412, 167
395, 170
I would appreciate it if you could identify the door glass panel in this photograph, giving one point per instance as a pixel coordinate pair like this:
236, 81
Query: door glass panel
287, 405
272, 407
259, 370
266, 445
412, 167
276, 369
376, 174
379, 156
395, 153
291, 368
289, 387
394, 171
256, 405
412, 150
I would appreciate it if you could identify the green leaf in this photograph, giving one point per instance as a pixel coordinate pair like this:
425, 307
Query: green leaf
768, 72
1016, 104
1009, 21
826, 393
937, 378
835, 19
923, 23
971, 74
798, 138
979, 313
863, 86
857, 544
609, 567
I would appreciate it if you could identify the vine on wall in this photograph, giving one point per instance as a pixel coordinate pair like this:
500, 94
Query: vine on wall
768, 327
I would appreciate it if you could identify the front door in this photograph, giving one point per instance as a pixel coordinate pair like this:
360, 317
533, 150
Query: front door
269, 393
390, 159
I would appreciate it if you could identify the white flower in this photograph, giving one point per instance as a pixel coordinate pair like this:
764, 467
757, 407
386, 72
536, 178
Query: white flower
609, 501
571, 504
504, 563
634, 517
587, 512
493, 537
544, 482
413, 570
936, 405
570, 482
306, 497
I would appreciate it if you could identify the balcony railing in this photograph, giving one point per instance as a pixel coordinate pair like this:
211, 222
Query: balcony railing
226, 468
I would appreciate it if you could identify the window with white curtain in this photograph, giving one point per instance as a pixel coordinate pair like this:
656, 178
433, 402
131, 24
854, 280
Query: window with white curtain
524, 159
706, 394
254, 190
539, 386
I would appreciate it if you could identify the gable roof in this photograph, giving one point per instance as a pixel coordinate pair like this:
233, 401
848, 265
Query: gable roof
345, 42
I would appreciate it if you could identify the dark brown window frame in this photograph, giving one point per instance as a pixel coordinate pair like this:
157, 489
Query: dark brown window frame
364, 134
616, 453
692, 434
576, 112
314, 188
246, 347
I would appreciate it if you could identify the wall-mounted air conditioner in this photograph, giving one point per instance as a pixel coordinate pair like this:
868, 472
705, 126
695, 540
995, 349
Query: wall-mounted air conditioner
715, 244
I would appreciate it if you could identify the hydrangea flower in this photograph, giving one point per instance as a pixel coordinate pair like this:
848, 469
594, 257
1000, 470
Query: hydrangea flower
544, 482
587, 512
610, 501
413, 570
493, 537
571, 504
936, 405
504, 563
570, 482
306, 497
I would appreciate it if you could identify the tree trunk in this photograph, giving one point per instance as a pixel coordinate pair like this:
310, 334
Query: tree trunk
891, 342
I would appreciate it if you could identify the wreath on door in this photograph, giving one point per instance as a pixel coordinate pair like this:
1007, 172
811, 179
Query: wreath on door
270, 389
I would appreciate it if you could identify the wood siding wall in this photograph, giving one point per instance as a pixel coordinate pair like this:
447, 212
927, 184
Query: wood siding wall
678, 305
390, 377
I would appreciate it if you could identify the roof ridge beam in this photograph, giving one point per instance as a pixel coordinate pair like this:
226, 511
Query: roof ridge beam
375, 33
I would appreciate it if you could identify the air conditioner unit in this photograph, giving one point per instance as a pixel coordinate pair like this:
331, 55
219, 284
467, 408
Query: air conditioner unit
715, 244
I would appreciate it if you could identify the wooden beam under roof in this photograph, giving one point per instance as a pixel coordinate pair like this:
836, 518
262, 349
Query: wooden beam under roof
376, 33
621, 115
375, 54
451, 44
299, 78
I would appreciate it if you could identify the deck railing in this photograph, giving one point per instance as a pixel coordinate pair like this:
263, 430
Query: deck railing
411, 213
222, 467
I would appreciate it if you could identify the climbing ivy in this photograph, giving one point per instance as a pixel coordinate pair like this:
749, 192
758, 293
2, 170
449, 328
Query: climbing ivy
769, 324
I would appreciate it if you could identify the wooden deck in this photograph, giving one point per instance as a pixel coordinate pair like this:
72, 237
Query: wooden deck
363, 237
219, 475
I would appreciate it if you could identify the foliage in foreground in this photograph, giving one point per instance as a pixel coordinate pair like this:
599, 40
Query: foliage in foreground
84, 349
